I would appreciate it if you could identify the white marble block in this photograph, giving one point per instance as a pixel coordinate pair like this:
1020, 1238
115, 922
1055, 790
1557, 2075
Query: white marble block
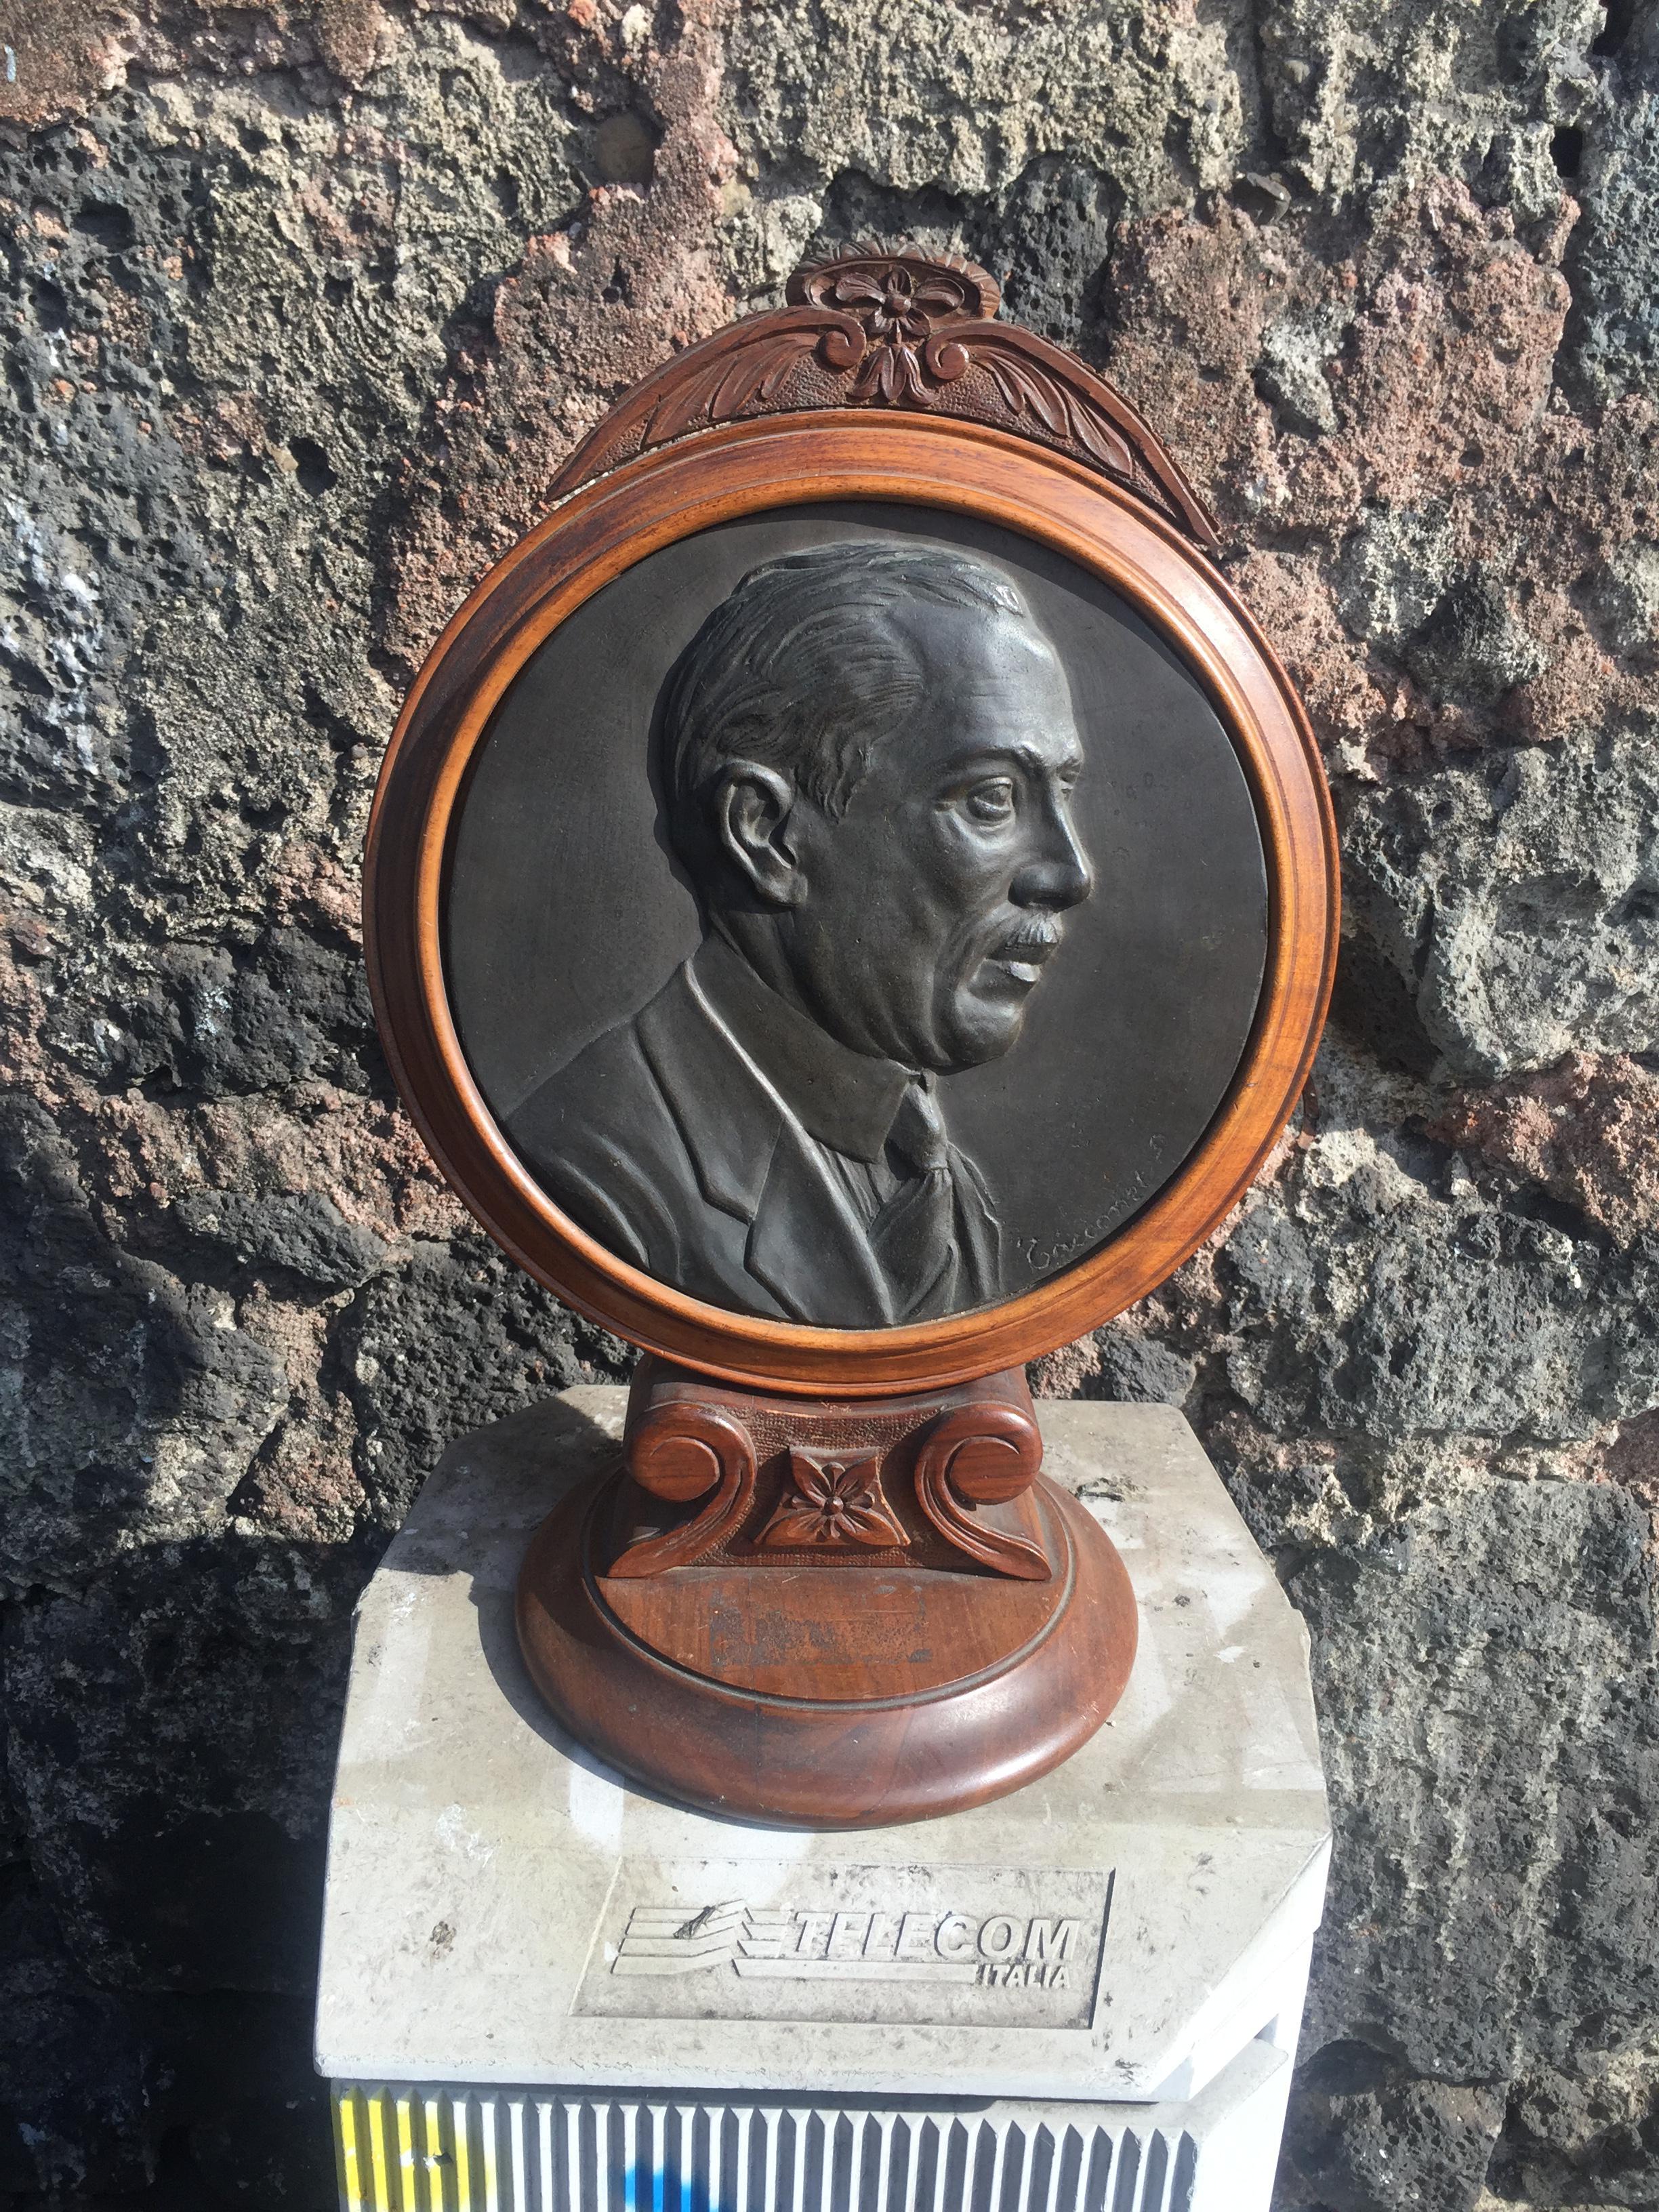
511, 1929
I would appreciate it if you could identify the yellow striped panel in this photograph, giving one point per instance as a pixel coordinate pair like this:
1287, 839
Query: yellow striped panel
379, 2169
449, 2147
434, 2159
407, 2201
345, 2145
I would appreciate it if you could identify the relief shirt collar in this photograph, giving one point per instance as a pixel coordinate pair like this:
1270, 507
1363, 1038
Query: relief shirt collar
845, 1099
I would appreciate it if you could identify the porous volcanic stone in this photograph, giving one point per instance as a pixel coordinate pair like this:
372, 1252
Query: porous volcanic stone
305, 302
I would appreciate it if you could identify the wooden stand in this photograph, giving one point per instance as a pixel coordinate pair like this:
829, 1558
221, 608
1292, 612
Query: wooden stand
836, 1615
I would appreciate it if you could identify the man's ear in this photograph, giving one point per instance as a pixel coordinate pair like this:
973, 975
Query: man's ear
752, 812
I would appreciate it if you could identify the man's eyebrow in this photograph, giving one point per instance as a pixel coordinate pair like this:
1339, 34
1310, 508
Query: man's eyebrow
1026, 756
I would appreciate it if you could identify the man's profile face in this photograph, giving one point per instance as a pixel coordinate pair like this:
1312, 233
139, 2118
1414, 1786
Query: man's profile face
931, 908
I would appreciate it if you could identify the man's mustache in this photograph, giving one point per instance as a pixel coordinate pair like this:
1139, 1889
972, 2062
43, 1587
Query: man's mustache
1035, 937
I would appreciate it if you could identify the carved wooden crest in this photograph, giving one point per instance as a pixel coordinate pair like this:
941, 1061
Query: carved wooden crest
889, 329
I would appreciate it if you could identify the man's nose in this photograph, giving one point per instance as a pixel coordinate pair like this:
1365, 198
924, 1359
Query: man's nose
1056, 871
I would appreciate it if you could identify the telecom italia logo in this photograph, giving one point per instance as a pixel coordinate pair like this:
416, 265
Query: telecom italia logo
1000, 1947
782, 1943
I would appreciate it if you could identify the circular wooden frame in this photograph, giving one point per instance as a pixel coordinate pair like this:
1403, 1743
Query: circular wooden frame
745, 469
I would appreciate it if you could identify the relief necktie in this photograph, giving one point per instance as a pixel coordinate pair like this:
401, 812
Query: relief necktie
913, 1234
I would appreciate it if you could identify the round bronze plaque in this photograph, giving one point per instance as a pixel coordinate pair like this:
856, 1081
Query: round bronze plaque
851, 899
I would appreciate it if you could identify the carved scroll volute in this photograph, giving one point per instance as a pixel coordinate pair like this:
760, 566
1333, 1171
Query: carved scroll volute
680, 1453
985, 1453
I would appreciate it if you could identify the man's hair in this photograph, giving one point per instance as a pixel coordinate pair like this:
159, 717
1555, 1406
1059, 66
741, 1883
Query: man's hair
806, 668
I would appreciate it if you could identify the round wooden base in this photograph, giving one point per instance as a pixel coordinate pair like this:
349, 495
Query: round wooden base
828, 1697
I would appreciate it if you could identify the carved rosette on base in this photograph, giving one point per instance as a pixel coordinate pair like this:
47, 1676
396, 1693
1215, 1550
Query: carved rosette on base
837, 1615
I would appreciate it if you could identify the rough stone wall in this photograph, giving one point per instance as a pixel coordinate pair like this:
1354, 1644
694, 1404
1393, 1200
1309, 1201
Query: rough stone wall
305, 302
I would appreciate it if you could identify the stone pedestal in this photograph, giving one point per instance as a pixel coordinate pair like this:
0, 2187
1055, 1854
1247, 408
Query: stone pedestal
542, 1987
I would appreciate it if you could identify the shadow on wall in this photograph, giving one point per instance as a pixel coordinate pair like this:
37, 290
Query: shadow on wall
171, 1745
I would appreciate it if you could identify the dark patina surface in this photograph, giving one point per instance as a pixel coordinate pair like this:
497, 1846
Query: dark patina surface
973, 885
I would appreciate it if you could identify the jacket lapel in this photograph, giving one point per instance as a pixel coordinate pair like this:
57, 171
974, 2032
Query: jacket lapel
727, 1115
809, 1248
754, 1160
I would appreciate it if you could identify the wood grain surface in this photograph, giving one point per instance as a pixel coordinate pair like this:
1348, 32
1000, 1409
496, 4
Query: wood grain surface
827, 1698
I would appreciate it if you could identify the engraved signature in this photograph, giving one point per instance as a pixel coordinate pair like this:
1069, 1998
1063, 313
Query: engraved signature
1041, 1257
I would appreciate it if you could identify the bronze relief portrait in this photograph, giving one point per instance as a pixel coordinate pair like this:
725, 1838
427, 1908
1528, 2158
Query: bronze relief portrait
867, 755
820, 924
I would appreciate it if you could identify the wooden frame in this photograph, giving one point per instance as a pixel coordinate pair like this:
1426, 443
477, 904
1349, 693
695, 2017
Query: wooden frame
709, 475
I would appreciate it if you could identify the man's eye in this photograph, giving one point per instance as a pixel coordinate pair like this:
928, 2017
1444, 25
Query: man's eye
992, 801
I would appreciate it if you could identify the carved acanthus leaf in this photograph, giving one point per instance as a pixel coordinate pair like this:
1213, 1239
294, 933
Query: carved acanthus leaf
1026, 386
724, 386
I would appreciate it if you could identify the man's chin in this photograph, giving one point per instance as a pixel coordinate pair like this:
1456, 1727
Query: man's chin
982, 1030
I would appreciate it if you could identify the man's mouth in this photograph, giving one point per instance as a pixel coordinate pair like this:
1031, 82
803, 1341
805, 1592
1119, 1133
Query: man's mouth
1023, 952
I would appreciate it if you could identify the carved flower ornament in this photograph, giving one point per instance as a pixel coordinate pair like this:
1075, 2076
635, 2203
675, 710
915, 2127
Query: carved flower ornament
835, 1501
896, 305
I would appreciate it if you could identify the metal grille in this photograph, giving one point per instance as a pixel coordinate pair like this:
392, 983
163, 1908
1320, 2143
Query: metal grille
429, 2150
